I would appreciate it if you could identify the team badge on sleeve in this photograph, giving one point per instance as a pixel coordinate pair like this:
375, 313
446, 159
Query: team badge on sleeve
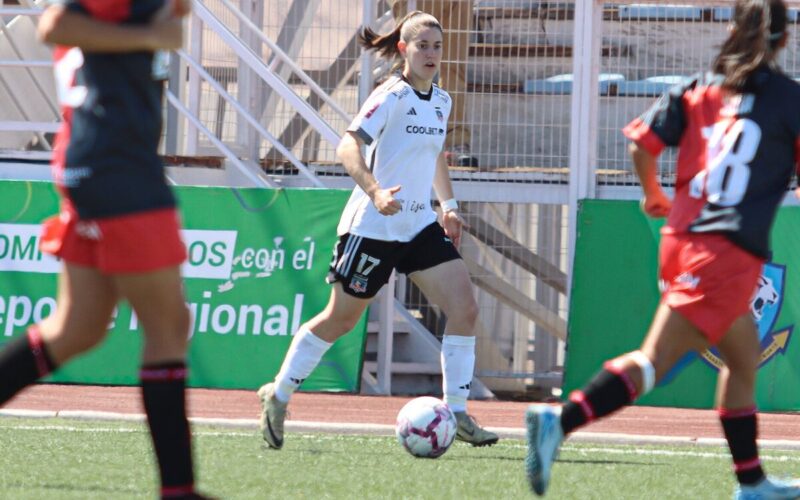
372, 110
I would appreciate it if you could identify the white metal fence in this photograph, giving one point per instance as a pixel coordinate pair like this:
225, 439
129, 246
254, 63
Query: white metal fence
520, 73
28, 109
548, 85
234, 43
657, 45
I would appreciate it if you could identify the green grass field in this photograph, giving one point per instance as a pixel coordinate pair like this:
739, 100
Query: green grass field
93, 460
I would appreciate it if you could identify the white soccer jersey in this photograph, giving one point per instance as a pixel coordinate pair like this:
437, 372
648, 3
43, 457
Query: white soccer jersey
404, 131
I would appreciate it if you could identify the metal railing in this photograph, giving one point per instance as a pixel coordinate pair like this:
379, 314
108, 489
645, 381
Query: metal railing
220, 110
198, 68
199, 74
20, 62
253, 60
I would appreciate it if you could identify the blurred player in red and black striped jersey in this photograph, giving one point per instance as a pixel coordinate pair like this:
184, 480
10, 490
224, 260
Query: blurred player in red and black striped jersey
737, 130
118, 230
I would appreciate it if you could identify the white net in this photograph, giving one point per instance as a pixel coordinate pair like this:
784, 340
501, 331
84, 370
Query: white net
318, 36
507, 67
658, 45
518, 73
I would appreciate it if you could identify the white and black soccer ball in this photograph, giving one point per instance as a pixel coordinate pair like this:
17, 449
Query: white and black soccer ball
426, 427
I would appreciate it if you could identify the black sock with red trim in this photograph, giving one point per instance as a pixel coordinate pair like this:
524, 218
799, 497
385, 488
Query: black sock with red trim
607, 392
23, 362
164, 396
741, 431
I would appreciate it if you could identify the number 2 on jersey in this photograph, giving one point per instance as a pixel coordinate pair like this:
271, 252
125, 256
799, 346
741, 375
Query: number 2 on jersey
69, 94
729, 151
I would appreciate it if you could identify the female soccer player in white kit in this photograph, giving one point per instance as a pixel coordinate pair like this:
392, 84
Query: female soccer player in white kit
389, 224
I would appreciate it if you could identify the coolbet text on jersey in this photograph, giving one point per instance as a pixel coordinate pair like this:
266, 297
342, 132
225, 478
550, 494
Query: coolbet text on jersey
404, 131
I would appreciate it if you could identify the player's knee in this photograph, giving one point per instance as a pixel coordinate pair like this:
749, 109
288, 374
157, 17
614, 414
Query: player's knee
334, 326
183, 321
742, 366
78, 344
463, 311
172, 328
176, 331
346, 323
647, 370
469, 313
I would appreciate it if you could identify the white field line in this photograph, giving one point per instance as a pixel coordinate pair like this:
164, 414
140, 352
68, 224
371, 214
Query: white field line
723, 454
581, 450
297, 426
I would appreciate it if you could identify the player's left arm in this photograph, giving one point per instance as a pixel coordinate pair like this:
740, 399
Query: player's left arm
62, 25
655, 202
663, 124
452, 222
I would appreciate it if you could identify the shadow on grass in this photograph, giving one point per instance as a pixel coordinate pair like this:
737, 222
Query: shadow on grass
447, 457
70, 488
483, 458
606, 462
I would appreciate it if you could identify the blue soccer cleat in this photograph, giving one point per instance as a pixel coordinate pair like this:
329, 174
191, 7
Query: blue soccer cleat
768, 489
544, 435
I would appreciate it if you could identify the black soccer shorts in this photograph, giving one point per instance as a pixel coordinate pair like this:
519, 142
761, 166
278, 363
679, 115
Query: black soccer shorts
363, 265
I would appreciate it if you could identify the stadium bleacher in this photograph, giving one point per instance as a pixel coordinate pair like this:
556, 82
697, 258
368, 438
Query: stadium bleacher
562, 84
516, 30
643, 12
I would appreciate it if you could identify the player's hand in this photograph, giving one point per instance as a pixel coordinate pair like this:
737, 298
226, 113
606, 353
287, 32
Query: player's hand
181, 8
797, 193
385, 201
166, 27
656, 204
453, 225
173, 9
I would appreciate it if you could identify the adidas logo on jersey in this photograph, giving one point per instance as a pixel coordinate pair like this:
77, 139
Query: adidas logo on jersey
412, 112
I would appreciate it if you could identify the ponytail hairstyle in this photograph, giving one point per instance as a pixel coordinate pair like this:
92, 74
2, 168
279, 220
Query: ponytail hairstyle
757, 31
406, 30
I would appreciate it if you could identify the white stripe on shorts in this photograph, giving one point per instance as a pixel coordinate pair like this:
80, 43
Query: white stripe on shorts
343, 257
351, 240
353, 253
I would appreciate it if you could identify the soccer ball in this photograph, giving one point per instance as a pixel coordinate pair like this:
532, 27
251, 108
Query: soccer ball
426, 427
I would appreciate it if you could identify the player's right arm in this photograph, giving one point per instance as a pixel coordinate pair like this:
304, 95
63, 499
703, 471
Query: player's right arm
61, 25
663, 124
349, 151
367, 127
655, 202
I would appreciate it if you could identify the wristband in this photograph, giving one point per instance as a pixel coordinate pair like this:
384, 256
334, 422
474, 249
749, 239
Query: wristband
449, 205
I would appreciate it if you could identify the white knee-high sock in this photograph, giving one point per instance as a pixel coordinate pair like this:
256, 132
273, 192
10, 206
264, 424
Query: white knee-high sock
458, 364
303, 356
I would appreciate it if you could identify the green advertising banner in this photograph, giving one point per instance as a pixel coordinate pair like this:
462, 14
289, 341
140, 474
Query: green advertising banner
256, 269
615, 293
